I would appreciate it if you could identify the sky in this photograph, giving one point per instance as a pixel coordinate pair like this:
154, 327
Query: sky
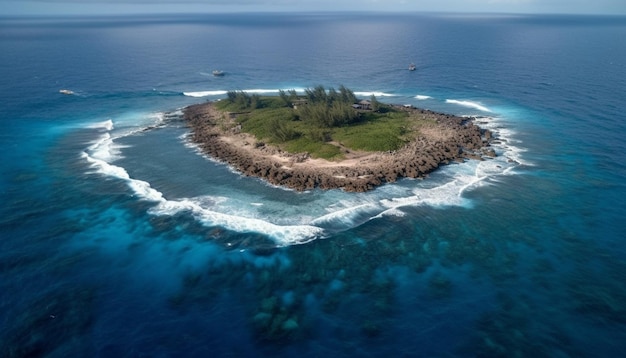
107, 7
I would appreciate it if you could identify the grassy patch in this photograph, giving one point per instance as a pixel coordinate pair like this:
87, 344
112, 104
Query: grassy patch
314, 148
272, 119
377, 133
257, 121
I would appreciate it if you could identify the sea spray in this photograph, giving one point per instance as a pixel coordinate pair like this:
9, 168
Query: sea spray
469, 104
318, 218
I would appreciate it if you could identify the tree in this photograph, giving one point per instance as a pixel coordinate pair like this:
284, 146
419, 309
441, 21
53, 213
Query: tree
375, 105
280, 131
326, 109
347, 96
316, 95
333, 96
241, 100
285, 97
293, 95
254, 101
319, 135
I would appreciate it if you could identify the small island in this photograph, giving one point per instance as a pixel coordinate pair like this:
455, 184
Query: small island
330, 139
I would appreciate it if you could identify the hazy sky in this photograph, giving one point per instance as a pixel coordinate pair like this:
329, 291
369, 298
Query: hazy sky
72, 7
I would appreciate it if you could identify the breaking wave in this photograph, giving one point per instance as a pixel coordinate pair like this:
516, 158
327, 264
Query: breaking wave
373, 93
469, 104
205, 93
214, 93
323, 212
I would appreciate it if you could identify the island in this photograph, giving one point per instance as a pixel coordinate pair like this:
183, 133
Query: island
329, 139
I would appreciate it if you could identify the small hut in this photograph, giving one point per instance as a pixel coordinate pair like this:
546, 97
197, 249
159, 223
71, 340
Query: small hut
365, 104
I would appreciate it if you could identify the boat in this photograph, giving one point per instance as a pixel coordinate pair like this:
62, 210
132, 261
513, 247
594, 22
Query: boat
412, 67
66, 91
218, 73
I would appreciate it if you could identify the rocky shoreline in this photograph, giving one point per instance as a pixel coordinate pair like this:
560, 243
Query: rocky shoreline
449, 139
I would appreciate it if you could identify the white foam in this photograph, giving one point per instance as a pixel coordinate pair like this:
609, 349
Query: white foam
343, 211
507, 148
326, 212
348, 216
137, 122
488, 168
105, 168
205, 93
447, 194
201, 208
374, 93
282, 234
105, 149
107, 125
422, 97
139, 187
276, 90
469, 104
145, 191
101, 153
465, 176
390, 212
252, 90
261, 90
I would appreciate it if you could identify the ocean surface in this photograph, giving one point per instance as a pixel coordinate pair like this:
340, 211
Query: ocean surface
119, 239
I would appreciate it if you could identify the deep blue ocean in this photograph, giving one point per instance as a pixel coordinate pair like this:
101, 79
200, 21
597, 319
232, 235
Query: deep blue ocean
119, 239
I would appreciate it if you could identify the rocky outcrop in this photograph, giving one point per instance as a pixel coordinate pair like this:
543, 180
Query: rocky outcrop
449, 139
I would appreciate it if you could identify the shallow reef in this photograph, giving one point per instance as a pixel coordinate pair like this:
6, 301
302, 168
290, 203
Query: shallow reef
56, 322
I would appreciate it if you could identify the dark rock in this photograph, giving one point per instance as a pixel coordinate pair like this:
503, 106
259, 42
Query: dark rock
416, 160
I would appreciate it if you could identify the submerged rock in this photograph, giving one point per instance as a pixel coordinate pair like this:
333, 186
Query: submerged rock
290, 325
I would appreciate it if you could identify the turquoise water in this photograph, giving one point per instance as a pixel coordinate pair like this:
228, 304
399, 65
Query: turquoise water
120, 239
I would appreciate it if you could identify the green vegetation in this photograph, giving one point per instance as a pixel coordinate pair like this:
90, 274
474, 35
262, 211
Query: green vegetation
321, 119
239, 101
317, 149
377, 132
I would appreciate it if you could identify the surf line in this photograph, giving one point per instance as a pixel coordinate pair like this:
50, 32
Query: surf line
469, 104
101, 152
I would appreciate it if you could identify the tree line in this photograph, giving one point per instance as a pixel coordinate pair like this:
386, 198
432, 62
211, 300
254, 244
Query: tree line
329, 108
319, 107
242, 100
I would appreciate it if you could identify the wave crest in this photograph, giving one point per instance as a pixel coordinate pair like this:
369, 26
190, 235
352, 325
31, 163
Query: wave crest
327, 212
373, 93
469, 104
